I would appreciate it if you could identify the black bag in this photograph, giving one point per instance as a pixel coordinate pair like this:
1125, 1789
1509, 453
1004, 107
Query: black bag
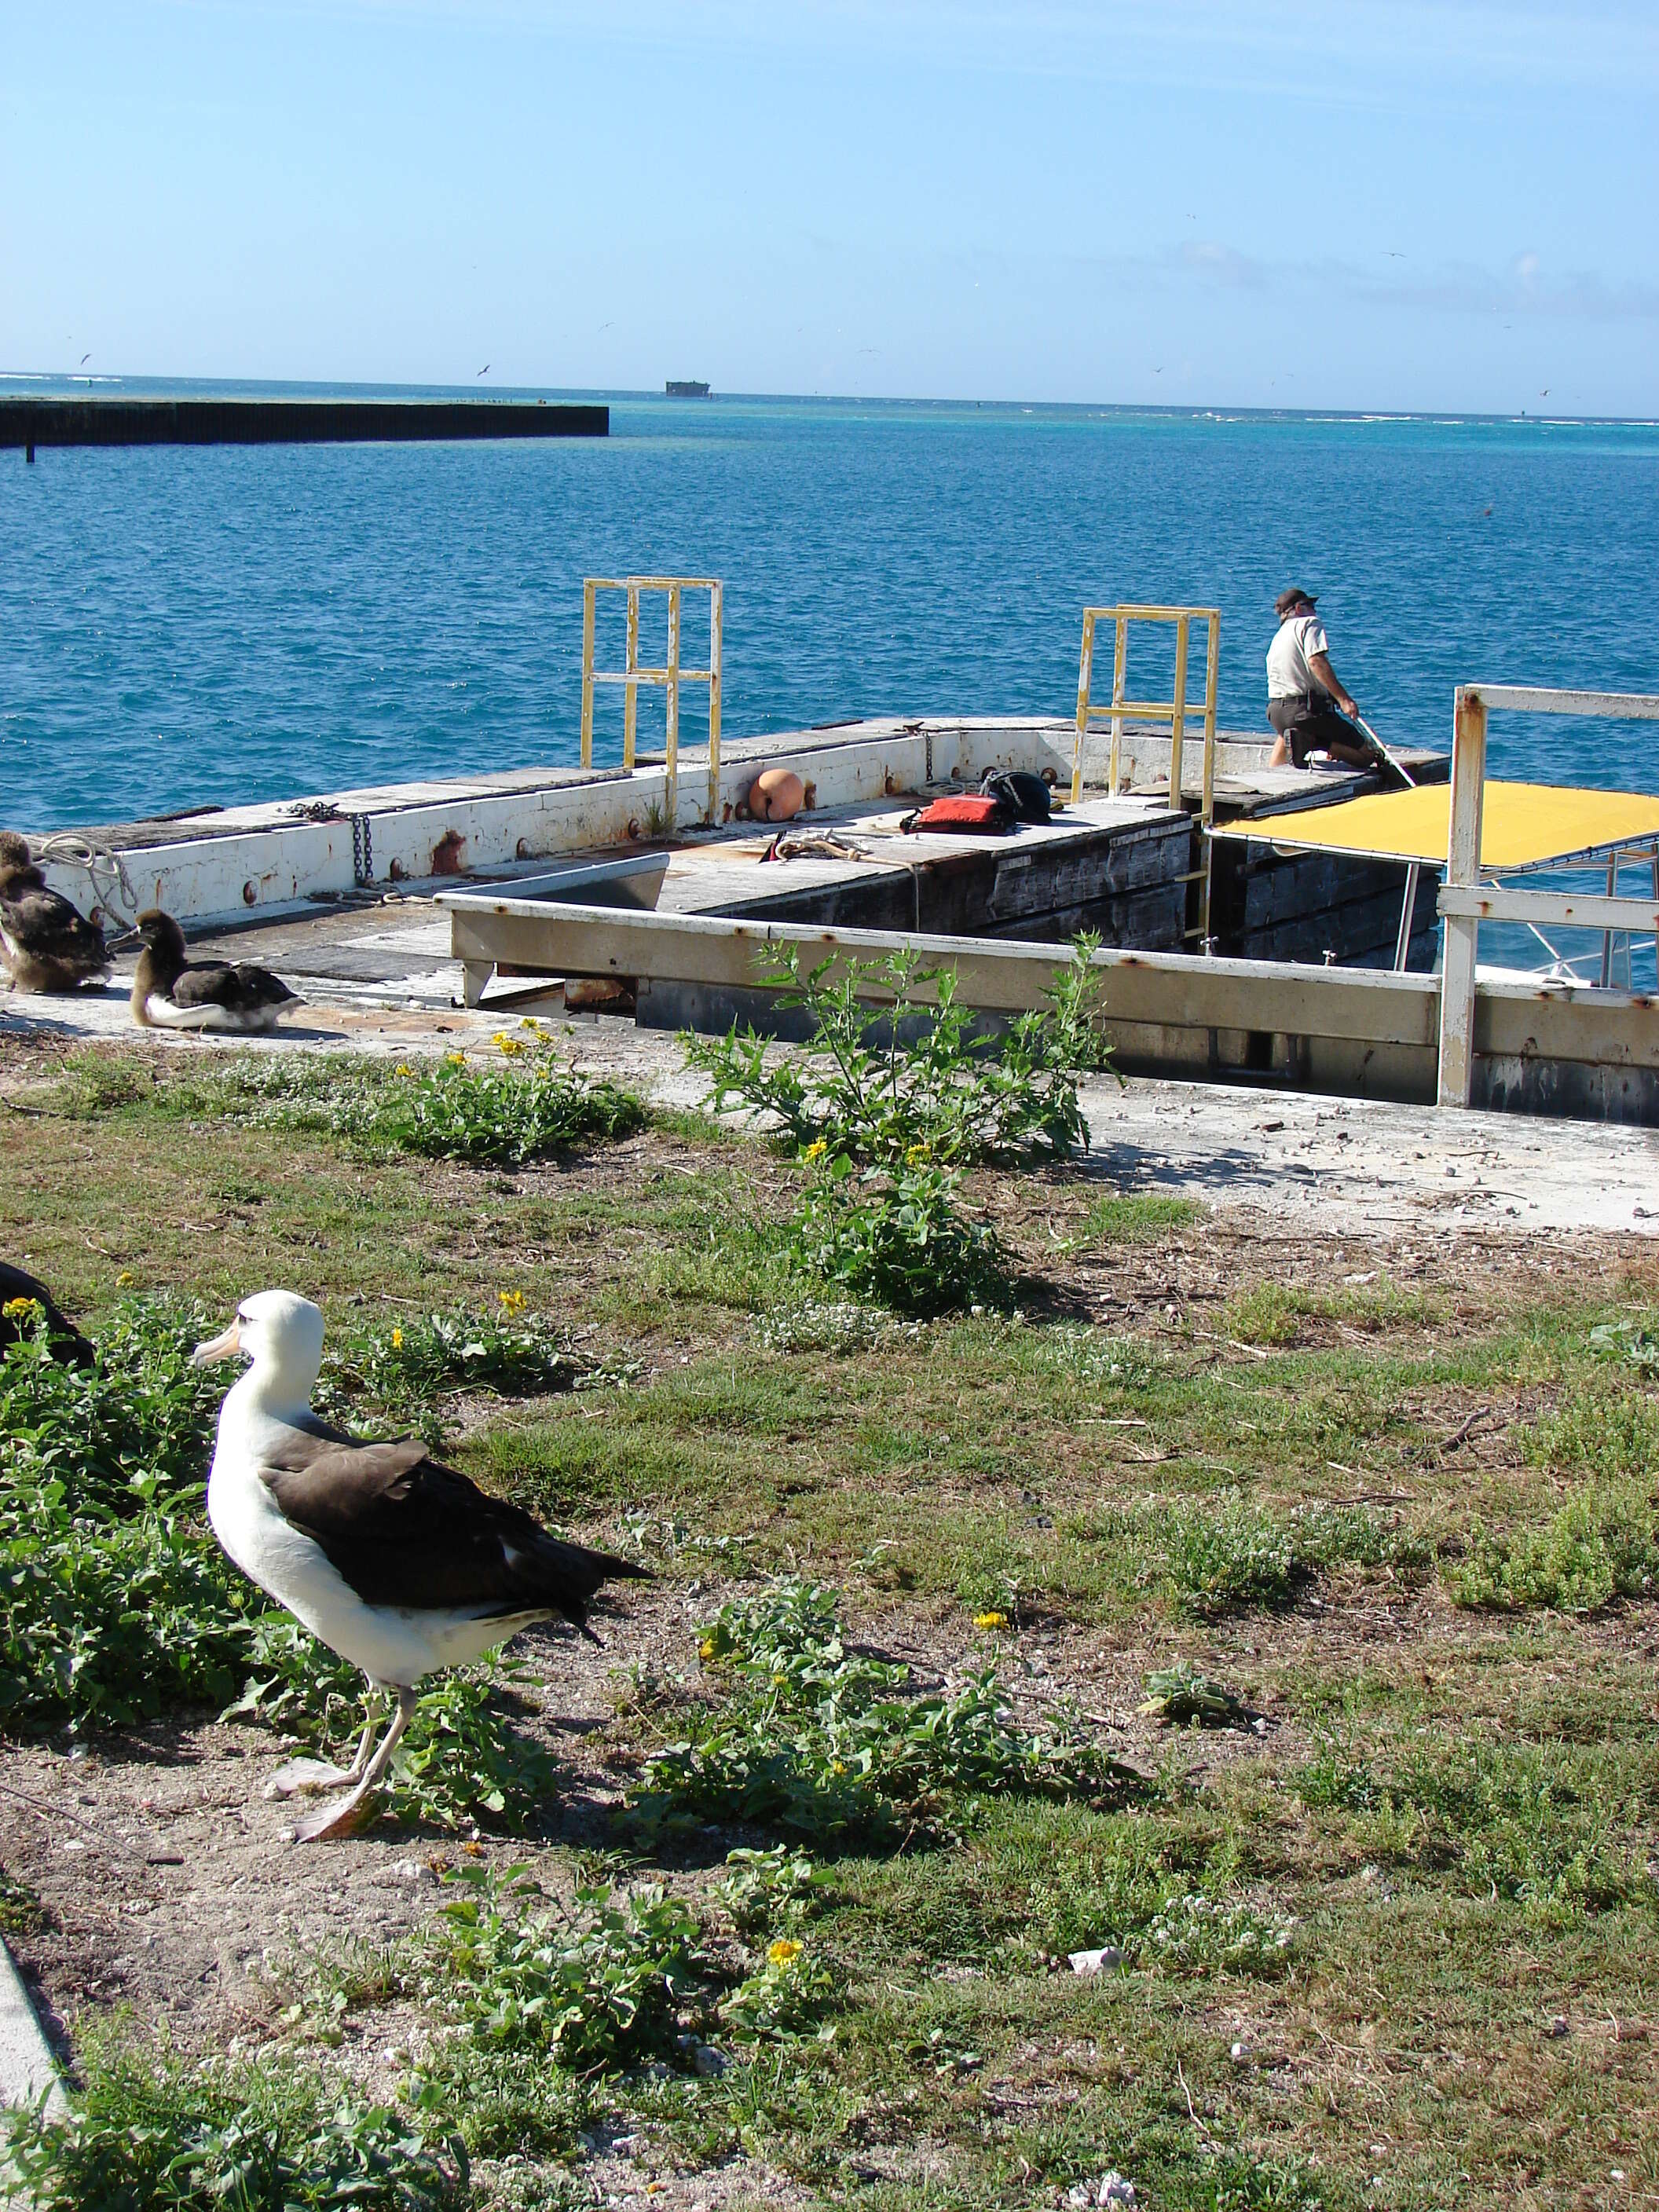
1024, 795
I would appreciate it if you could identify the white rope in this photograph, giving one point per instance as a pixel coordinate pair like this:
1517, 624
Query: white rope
105, 868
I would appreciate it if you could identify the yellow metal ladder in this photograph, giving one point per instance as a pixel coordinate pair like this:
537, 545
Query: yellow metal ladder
669, 677
1090, 711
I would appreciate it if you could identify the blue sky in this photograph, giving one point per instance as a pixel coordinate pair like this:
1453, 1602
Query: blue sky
1379, 203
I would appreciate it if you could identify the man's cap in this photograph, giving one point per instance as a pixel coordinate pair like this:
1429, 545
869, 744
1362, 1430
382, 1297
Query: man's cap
1293, 597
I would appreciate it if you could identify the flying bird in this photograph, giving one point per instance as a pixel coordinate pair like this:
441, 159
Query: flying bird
484, 371
85, 358
395, 1561
171, 991
45, 944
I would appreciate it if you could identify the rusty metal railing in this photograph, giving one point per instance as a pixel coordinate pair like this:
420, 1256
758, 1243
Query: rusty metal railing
669, 677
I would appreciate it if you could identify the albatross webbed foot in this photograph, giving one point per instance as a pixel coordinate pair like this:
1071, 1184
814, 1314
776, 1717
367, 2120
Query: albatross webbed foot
329, 1821
303, 1775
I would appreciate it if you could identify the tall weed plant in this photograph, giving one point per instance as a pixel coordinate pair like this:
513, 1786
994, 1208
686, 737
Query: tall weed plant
898, 1096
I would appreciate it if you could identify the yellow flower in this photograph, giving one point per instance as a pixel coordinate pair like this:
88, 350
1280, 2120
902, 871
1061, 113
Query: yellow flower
126, 1277
397, 1340
21, 1309
990, 1620
816, 1150
784, 1952
513, 1300
916, 1156
456, 1059
402, 1069
509, 1045
838, 1766
706, 1649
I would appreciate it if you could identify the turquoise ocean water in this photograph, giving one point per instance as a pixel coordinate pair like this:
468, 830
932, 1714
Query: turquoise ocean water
181, 627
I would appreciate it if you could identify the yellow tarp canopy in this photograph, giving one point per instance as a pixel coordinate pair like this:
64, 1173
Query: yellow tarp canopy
1522, 825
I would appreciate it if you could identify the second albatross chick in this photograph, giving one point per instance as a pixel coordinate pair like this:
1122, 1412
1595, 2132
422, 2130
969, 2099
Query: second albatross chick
396, 1562
45, 944
170, 991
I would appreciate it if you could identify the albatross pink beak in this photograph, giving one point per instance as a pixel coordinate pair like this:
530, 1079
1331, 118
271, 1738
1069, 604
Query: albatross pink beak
224, 1346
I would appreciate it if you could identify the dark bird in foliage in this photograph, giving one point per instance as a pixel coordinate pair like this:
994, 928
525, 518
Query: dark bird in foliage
172, 991
46, 943
394, 1560
68, 1347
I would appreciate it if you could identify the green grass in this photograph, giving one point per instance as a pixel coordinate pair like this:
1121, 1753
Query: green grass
1417, 1538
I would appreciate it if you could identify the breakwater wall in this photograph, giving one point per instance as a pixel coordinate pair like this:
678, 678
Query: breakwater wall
31, 422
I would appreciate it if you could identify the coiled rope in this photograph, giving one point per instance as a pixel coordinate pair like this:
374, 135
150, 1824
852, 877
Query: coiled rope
105, 869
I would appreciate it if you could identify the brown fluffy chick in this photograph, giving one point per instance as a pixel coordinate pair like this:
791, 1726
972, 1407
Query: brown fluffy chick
172, 991
45, 944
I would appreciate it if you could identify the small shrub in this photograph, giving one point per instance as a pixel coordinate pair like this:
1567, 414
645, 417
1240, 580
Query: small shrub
213, 2138
1198, 1935
461, 1760
831, 1746
785, 1997
1230, 1556
769, 1891
520, 1106
895, 1102
404, 1367
1603, 1543
600, 1988
1633, 1343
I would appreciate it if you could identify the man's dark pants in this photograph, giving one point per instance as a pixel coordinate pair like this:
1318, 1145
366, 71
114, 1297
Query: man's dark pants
1311, 724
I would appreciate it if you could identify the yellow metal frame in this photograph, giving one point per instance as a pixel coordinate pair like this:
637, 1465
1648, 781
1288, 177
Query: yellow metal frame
671, 675
1174, 711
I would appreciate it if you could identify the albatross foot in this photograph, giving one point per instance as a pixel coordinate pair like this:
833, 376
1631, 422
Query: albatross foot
306, 1774
330, 1822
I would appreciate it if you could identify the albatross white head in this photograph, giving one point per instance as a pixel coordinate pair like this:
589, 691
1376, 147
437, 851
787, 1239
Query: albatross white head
282, 1334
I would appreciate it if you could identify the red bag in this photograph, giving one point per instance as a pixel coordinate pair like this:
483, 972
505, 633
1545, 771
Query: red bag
977, 815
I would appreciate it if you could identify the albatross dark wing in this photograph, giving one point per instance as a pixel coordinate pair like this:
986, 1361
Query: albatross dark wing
239, 987
405, 1530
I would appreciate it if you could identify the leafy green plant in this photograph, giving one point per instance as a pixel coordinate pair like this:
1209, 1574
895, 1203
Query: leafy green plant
1634, 1343
522, 1105
1184, 1697
1228, 1556
1603, 1543
770, 1891
601, 1987
787, 1996
405, 1365
213, 2138
462, 1761
833, 1746
1194, 1935
895, 1102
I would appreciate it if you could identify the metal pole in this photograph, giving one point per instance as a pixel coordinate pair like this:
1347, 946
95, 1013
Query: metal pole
587, 671
1402, 944
671, 747
1119, 656
1085, 679
630, 689
716, 615
1607, 934
1178, 718
1458, 978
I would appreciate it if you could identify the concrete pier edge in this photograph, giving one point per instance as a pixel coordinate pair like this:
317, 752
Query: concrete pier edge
28, 2066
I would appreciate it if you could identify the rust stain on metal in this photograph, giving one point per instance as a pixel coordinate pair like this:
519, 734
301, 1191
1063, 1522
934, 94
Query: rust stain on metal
446, 853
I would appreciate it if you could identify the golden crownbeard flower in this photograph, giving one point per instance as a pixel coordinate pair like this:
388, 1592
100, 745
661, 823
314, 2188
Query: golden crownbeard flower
816, 1150
506, 1044
990, 1620
402, 1069
126, 1277
706, 1649
513, 1300
916, 1155
784, 1952
397, 1340
455, 1059
21, 1309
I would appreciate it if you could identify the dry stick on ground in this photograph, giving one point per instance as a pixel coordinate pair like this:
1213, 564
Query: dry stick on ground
1466, 1428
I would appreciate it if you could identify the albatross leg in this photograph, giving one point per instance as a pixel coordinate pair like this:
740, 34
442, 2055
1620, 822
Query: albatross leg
330, 1821
302, 1775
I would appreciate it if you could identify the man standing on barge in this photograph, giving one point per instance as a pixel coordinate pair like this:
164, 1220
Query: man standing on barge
1305, 691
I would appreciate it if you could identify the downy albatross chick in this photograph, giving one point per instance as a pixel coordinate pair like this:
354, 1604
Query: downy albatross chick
396, 1563
46, 943
172, 991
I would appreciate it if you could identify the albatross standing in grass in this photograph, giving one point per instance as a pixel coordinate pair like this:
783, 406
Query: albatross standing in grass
398, 1564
